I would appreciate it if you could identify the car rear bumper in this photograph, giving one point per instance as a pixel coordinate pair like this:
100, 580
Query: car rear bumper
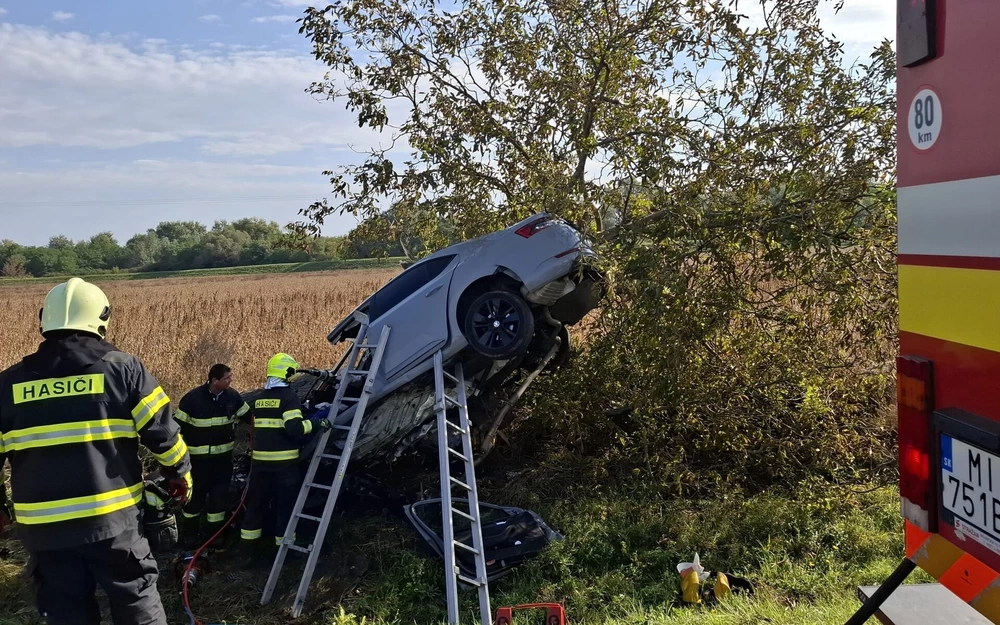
574, 306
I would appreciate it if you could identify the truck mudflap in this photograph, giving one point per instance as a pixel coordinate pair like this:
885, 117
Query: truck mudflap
964, 575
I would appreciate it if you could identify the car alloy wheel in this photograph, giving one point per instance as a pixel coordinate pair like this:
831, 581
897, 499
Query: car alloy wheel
499, 324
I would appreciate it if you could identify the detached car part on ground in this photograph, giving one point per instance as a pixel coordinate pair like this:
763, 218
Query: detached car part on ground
511, 535
500, 304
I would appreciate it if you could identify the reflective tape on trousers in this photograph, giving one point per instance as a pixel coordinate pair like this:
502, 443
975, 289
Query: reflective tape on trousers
274, 456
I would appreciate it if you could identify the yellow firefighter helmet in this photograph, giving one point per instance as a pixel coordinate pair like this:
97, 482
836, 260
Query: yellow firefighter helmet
76, 305
281, 366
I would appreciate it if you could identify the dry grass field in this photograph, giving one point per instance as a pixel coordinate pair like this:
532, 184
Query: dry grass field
180, 326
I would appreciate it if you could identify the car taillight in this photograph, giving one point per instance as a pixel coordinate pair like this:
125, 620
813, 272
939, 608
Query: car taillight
915, 403
533, 227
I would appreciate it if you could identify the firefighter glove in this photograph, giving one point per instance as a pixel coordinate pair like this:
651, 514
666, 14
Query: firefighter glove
320, 421
181, 488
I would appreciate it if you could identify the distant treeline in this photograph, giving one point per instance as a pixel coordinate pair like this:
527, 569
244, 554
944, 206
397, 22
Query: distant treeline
171, 246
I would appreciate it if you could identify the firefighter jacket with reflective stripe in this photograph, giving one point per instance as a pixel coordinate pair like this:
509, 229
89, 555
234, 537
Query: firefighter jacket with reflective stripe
207, 420
72, 416
278, 428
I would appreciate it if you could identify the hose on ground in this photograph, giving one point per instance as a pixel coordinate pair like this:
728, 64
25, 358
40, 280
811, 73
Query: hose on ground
187, 571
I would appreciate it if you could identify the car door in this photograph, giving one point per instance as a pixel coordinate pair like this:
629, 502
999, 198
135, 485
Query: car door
415, 306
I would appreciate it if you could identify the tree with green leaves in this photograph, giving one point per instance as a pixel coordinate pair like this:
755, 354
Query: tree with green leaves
735, 170
180, 231
14, 267
60, 242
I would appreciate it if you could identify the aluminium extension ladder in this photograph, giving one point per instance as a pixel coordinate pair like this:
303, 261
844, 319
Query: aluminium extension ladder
442, 402
349, 366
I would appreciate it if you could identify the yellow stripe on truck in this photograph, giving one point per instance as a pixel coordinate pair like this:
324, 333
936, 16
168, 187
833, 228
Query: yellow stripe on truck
988, 602
957, 305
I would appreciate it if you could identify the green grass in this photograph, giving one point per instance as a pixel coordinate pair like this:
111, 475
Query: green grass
324, 265
806, 550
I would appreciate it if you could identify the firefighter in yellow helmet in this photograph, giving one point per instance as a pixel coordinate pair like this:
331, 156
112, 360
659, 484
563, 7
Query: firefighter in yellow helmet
278, 431
72, 417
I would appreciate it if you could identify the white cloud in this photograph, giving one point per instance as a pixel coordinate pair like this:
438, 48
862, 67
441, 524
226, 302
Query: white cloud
220, 113
71, 90
860, 24
62, 16
210, 18
294, 3
282, 19
3, 11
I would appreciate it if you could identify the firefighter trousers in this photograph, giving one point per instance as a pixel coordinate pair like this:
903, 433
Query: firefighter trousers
270, 489
212, 476
65, 582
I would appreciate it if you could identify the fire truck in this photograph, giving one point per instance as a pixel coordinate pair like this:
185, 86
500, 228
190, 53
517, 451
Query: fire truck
948, 367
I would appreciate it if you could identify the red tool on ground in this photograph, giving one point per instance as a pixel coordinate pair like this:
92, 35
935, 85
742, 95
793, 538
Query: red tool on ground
554, 613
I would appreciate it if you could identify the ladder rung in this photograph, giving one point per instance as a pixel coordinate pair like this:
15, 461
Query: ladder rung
457, 455
330, 456
299, 549
466, 547
449, 376
368, 345
462, 484
467, 580
462, 514
342, 427
323, 486
451, 400
455, 427
351, 399
357, 372
310, 517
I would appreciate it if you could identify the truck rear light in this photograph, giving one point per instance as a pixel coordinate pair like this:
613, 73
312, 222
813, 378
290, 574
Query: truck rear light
533, 227
915, 403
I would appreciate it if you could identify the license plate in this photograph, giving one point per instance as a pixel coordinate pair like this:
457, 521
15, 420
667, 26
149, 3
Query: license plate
971, 489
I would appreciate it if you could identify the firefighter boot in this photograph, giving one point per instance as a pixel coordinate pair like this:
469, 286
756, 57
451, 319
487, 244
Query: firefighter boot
250, 554
189, 530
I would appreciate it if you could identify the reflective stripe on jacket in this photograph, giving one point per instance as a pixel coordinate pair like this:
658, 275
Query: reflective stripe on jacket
278, 427
72, 417
207, 421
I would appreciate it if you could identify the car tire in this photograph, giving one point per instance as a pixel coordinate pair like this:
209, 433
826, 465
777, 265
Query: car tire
499, 338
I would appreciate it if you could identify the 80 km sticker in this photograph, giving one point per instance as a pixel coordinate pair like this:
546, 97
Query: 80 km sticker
925, 119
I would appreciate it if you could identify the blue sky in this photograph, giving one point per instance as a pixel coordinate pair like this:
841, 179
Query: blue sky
190, 109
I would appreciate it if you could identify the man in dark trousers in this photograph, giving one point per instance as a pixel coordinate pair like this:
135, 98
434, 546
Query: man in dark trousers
207, 415
279, 429
72, 417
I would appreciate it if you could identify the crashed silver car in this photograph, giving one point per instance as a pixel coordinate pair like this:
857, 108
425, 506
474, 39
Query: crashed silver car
500, 303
